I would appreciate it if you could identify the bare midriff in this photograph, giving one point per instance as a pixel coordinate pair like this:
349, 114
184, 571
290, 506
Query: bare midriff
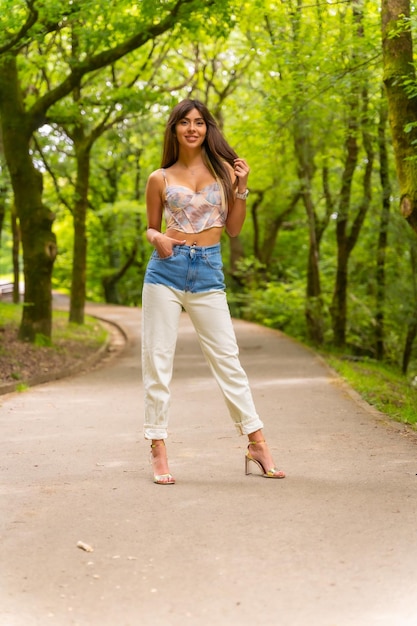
206, 238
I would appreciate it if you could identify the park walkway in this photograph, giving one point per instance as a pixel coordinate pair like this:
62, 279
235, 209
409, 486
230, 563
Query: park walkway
334, 544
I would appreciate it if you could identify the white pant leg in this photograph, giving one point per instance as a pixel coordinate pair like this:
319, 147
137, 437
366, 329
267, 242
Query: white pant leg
210, 315
161, 309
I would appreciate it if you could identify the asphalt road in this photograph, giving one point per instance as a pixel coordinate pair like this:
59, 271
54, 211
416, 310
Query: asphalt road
334, 544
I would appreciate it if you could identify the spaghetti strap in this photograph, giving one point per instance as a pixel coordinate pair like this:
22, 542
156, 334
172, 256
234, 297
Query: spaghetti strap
165, 176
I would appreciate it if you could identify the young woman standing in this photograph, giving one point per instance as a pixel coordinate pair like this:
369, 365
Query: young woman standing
200, 190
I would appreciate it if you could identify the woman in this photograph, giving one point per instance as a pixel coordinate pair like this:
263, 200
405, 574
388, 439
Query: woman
200, 190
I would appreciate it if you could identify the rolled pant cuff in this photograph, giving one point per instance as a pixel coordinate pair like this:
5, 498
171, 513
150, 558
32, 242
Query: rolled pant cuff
249, 427
154, 433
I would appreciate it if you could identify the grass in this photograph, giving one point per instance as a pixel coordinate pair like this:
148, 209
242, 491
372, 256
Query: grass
10, 313
90, 332
384, 388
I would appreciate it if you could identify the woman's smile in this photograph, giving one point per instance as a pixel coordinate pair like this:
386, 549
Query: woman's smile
192, 129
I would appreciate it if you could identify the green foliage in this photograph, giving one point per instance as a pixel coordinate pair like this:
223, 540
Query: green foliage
116, 229
384, 388
277, 76
279, 306
272, 304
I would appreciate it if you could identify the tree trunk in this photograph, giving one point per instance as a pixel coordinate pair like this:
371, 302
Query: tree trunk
15, 257
110, 282
409, 341
347, 241
79, 255
257, 200
398, 73
383, 233
339, 306
3, 189
412, 324
38, 241
272, 228
306, 169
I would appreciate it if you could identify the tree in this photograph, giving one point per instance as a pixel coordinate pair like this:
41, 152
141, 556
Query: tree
348, 226
77, 40
401, 90
307, 114
304, 150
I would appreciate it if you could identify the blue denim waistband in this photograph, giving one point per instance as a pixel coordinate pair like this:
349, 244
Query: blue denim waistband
198, 250
189, 268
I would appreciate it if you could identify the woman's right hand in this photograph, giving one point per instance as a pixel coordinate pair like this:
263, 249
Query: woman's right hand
164, 244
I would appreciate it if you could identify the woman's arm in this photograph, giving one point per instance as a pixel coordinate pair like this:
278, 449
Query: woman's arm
154, 207
237, 211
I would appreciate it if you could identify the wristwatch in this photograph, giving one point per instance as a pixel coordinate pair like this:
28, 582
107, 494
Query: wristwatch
242, 196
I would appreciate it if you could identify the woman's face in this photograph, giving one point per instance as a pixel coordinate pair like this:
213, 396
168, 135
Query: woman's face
191, 130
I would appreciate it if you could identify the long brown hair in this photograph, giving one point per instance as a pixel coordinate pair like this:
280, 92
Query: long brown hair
216, 150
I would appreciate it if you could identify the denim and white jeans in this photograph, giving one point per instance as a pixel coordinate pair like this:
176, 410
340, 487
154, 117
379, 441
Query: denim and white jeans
191, 279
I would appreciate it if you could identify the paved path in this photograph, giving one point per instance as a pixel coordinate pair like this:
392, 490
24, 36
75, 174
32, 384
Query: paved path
334, 544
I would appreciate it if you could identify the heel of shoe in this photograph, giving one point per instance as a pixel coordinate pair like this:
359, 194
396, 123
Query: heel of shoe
247, 461
273, 472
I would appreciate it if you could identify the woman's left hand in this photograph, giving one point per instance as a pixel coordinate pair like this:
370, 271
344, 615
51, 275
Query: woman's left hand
241, 170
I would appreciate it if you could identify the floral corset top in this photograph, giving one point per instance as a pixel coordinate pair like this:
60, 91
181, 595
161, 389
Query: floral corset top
193, 211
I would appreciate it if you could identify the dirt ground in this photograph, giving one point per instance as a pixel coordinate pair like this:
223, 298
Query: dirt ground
22, 362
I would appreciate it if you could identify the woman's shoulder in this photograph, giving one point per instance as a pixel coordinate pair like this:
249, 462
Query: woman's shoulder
159, 173
156, 182
157, 177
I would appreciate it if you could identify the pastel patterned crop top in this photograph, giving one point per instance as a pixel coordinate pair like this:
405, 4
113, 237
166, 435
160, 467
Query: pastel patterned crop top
193, 211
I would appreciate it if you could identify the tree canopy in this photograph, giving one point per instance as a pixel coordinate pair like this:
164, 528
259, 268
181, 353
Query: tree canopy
318, 96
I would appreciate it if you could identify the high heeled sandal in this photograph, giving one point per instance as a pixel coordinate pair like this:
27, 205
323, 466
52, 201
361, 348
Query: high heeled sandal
270, 473
161, 479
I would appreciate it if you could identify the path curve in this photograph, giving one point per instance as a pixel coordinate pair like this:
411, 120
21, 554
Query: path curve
334, 544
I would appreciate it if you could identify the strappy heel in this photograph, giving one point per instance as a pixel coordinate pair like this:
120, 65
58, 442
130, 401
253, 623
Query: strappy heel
161, 479
270, 473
